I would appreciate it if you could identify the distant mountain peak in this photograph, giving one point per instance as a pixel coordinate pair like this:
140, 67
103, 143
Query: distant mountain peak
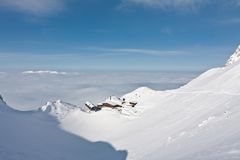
58, 108
235, 57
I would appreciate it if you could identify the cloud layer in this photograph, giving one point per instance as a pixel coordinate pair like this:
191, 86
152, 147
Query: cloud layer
28, 91
167, 4
154, 52
49, 7
34, 7
44, 72
179, 4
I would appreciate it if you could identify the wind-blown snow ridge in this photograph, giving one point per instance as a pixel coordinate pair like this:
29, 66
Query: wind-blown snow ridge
44, 72
235, 57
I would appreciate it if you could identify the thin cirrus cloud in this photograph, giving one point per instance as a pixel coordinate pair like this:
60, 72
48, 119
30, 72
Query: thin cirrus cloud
167, 4
34, 7
179, 4
138, 51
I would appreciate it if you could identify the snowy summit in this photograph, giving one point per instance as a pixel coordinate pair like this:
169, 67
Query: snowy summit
235, 57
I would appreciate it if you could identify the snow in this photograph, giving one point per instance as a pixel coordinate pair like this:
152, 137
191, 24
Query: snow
217, 80
59, 108
184, 117
235, 57
3, 106
30, 135
198, 121
113, 100
138, 93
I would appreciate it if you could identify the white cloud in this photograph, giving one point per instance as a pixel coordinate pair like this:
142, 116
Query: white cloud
179, 4
44, 72
34, 7
140, 51
167, 4
34, 90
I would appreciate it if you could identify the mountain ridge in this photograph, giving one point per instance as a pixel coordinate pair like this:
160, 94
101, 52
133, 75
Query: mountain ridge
235, 57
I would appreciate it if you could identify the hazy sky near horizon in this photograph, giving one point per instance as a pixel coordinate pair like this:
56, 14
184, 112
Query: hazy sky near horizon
118, 34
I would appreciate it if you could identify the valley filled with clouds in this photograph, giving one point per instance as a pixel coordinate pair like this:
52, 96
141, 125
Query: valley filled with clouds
32, 89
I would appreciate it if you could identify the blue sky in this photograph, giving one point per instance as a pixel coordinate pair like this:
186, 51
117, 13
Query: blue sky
118, 34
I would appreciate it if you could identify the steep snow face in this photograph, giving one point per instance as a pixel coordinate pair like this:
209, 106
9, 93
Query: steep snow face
235, 57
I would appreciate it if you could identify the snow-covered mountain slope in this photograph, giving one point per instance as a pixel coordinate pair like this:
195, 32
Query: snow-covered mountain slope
235, 57
4, 107
197, 121
30, 136
2, 104
59, 109
217, 80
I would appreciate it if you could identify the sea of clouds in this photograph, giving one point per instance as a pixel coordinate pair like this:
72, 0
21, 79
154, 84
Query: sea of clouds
32, 89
